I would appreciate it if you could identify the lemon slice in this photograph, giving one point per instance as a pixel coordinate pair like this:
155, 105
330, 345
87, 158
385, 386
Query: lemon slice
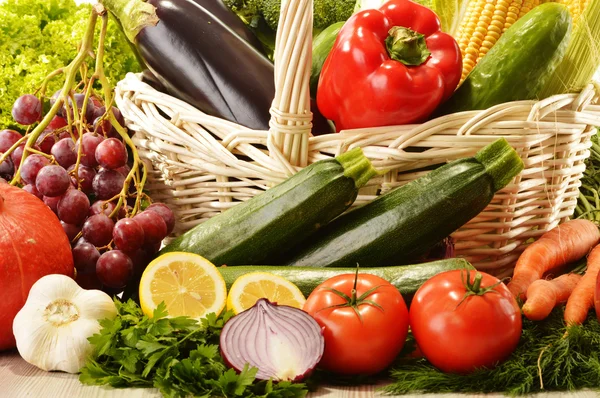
248, 288
188, 284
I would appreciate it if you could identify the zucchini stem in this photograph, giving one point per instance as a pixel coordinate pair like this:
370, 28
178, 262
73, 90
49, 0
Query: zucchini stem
501, 162
357, 166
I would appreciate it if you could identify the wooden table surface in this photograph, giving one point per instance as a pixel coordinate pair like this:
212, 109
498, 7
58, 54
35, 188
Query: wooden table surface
19, 379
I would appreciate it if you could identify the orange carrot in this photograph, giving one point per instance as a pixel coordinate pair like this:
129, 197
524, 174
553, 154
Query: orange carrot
566, 243
582, 298
544, 295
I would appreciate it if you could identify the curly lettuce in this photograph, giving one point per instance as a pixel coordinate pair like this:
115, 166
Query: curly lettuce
40, 36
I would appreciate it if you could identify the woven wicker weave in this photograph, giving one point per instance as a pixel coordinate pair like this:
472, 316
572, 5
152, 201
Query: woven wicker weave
201, 165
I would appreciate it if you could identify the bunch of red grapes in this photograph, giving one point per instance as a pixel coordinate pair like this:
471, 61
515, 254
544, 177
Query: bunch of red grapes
110, 248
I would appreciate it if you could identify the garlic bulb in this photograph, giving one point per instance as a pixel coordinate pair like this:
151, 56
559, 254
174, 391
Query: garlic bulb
53, 327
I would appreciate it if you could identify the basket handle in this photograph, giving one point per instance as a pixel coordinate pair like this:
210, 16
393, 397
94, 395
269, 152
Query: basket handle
291, 118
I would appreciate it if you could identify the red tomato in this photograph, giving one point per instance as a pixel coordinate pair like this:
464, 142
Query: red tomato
364, 344
459, 336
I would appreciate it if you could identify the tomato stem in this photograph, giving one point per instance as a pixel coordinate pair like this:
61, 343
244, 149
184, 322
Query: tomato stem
474, 288
353, 301
353, 298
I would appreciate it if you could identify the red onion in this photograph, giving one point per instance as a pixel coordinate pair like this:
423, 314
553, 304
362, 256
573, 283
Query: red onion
283, 342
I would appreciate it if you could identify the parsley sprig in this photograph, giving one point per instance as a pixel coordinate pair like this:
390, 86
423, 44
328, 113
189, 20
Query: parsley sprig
179, 356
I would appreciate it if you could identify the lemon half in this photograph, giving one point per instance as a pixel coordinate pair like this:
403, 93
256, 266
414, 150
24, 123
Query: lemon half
188, 284
248, 288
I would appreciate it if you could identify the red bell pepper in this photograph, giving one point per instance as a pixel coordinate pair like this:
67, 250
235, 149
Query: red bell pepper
388, 66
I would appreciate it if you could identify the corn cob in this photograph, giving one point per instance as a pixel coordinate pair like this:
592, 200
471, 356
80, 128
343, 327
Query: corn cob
582, 57
483, 24
576, 8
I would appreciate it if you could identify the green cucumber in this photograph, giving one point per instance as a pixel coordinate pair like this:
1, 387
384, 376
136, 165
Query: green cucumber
404, 223
258, 230
406, 278
321, 47
518, 66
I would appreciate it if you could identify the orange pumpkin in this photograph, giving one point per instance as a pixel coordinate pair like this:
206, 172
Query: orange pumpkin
32, 244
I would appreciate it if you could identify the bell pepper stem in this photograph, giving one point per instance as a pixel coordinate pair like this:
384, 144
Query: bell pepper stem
407, 46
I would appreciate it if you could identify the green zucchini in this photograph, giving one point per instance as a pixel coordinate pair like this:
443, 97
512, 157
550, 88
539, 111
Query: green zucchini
321, 47
407, 221
256, 231
518, 66
407, 278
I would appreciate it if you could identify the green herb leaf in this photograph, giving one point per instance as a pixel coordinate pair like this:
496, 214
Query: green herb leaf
545, 360
179, 356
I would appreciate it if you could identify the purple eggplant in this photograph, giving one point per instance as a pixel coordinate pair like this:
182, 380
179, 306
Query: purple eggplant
197, 57
229, 18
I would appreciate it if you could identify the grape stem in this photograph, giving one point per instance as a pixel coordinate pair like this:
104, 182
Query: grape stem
6, 154
79, 65
71, 73
108, 99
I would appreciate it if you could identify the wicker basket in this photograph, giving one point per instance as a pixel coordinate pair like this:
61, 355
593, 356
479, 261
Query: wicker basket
201, 165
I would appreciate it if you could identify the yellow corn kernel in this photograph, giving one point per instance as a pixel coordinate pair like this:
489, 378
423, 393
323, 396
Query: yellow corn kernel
575, 7
528, 6
483, 24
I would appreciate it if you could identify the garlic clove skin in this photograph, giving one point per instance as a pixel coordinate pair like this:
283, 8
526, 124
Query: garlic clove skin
52, 328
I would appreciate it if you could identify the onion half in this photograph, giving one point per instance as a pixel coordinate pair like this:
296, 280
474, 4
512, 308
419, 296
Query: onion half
283, 342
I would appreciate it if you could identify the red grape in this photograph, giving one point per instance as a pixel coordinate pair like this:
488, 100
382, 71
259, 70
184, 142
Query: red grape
8, 138
97, 102
124, 170
100, 111
17, 155
32, 166
140, 260
88, 281
88, 149
46, 141
166, 213
64, 152
114, 269
107, 184
155, 228
86, 178
71, 230
33, 190
63, 135
73, 207
52, 181
52, 203
98, 229
102, 127
27, 109
56, 123
101, 206
152, 248
79, 99
128, 235
7, 169
85, 257
111, 154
